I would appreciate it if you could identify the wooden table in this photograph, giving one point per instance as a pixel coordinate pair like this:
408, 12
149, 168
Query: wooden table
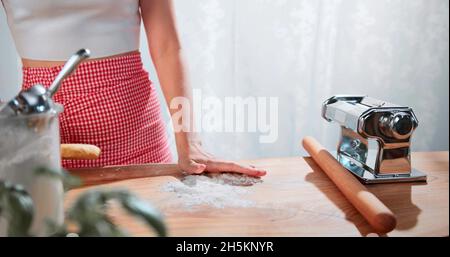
297, 199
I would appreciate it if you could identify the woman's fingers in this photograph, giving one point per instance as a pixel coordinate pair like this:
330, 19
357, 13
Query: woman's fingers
220, 166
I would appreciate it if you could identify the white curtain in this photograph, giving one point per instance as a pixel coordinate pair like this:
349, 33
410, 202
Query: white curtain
304, 51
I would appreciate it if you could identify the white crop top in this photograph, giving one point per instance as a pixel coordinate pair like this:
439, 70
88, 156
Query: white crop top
53, 30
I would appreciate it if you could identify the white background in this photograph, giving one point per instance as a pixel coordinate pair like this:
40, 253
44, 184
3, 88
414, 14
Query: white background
304, 51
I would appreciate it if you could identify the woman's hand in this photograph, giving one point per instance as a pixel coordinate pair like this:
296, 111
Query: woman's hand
196, 161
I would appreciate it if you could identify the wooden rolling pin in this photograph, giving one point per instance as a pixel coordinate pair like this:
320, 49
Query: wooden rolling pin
96, 176
371, 208
79, 152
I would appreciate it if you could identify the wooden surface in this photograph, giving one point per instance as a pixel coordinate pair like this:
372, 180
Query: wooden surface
297, 199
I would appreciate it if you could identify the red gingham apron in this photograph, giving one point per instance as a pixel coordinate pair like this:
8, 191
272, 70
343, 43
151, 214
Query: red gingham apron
112, 104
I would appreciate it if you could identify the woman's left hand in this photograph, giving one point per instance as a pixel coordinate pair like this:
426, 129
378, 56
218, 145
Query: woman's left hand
196, 161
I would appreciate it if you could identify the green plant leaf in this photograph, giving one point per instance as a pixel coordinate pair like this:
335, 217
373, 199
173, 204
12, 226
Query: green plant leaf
89, 212
69, 181
16, 206
142, 209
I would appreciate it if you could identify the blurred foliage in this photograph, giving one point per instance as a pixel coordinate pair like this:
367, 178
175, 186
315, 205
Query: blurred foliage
16, 207
88, 214
68, 180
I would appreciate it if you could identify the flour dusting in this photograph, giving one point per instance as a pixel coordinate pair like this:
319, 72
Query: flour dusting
216, 190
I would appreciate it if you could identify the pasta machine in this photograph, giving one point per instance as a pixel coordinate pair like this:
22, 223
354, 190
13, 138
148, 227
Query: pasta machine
375, 141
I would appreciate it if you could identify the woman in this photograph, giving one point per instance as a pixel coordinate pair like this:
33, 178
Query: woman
109, 101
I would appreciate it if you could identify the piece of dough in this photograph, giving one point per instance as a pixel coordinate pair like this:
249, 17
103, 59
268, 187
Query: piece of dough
79, 152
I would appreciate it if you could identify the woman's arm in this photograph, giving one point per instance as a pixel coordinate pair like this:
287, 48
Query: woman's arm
165, 49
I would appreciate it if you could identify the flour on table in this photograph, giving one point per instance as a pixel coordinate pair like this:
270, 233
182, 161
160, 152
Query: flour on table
216, 190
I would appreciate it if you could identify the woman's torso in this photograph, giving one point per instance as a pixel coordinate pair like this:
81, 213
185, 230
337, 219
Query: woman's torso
47, 32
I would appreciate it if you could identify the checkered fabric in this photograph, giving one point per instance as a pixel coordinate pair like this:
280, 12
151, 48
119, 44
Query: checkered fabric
112, 104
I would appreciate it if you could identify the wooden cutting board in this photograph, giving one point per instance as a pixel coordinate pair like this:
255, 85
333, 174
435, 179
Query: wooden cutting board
297, 199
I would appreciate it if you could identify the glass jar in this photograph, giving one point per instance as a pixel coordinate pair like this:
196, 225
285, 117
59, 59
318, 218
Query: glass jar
29, 142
